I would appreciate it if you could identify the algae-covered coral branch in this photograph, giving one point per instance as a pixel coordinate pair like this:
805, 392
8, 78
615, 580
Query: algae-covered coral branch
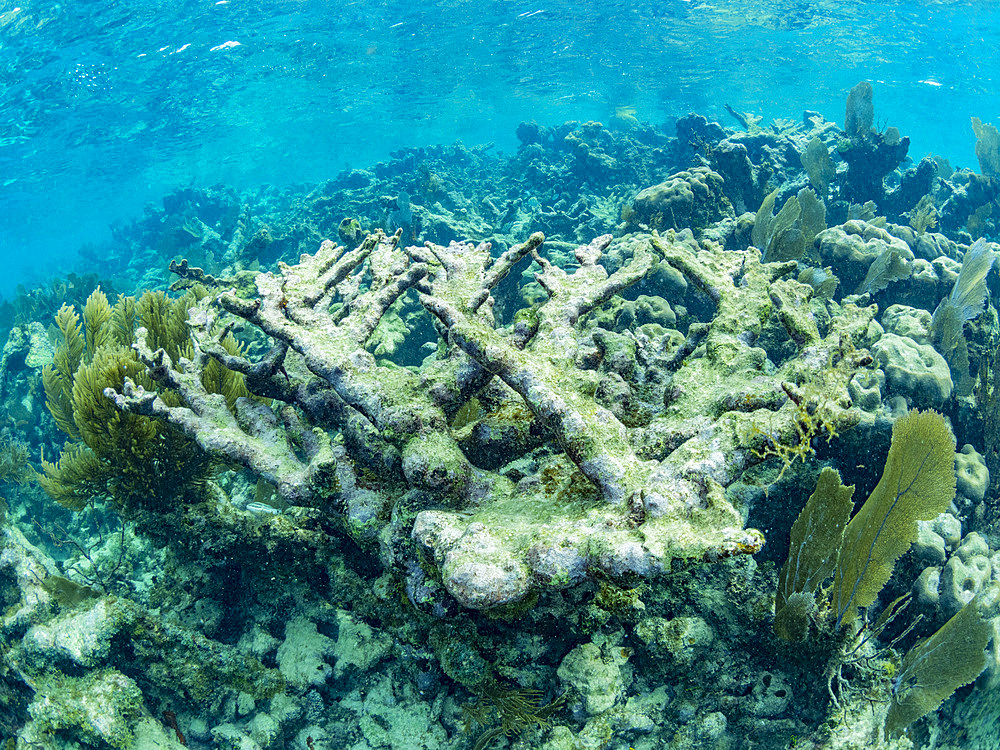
543, 374
673, 517
756, 406
251, 434
609, 496
294, 307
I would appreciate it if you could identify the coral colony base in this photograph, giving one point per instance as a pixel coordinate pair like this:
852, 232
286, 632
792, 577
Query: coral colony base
351, 487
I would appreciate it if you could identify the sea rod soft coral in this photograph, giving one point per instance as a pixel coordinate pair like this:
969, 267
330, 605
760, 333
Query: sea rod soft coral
375, 443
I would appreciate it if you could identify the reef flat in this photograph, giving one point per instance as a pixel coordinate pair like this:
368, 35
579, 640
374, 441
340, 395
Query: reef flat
635, 438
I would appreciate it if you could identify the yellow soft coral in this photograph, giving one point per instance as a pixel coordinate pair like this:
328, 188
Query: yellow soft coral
135, 461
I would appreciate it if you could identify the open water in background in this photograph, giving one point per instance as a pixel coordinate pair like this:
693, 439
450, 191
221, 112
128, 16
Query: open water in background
105, 106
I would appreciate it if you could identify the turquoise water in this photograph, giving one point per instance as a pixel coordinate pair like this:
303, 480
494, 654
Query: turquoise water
107, 106
467, 375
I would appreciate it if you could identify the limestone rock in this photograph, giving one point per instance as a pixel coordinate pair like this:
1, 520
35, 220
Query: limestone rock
852, 247
81, 636
679, 641
770, 696
865, 389
929, 545
914, 370
965, 573
971, 474
927, 588
595, 672
358, 645
98, 709
302, 656
692, 198
904, 320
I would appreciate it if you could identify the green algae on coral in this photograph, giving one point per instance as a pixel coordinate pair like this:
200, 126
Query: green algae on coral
620, 495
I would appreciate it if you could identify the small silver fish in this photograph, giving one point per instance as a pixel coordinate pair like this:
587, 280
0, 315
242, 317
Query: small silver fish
258, 507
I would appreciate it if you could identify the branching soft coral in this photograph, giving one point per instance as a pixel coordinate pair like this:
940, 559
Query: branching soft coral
129, 458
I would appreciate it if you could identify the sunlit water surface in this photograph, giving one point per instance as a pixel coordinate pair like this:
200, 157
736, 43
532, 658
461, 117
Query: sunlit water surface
107, 105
